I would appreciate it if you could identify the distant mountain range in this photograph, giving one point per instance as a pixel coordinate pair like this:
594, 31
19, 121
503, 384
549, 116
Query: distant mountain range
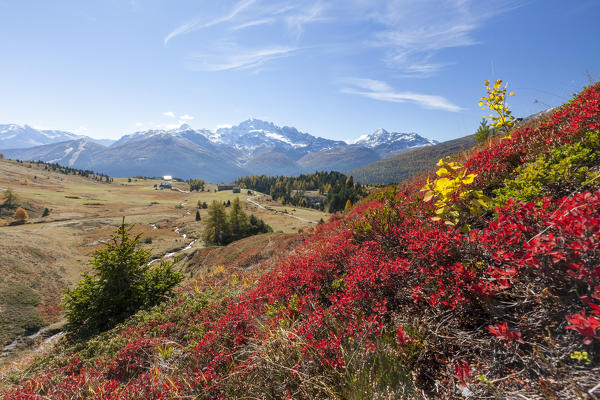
252, 147
13, 136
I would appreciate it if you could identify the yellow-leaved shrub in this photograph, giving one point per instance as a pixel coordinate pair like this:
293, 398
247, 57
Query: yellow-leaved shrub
495, 101
454, 201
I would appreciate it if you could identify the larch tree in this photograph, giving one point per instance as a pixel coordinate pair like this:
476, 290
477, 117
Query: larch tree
21, 215
10, 199
216, 226
238, 220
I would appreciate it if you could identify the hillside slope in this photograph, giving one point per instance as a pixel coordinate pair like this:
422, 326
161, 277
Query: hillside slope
494, 296
164, 154
410, 163
338, 158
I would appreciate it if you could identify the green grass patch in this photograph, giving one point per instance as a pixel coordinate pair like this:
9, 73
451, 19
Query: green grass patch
17, 311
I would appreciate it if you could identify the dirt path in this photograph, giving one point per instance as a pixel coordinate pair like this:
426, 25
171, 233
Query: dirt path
252, 201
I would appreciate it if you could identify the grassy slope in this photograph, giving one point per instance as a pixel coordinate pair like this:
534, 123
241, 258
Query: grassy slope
382, 302
48, 254
405, 165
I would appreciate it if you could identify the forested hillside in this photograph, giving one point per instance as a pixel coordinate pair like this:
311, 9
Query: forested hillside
413, 162
480, 282
333, 189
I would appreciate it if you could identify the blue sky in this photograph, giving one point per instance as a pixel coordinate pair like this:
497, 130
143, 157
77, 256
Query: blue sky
337, 69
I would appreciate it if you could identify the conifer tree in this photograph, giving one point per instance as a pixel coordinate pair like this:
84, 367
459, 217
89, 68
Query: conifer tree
122, 282
238, 220
483, 132
198, 215
216, 226
10, 199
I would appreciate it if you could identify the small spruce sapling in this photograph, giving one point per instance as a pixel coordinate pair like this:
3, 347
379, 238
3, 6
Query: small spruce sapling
122, 282
484, 132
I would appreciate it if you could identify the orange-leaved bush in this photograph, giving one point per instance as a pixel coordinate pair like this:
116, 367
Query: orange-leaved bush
21, 214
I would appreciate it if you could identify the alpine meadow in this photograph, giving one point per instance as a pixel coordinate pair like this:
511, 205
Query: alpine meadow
425, 226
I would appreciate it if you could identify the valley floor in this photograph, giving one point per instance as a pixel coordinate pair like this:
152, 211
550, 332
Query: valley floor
41, 258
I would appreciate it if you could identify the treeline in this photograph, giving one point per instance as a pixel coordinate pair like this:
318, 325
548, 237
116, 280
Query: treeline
54, 167
196, 184
334, 189
221, 228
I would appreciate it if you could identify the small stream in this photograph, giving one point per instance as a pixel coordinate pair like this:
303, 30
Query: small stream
31, 339
174, 253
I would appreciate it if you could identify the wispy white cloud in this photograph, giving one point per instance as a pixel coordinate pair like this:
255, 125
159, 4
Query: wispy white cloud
379, 90
170, 126
201, 23
424, 69
412, 32
405, 36
139, 124
313, 13
182, 119
228, 53
257, 22
81, 129
237, 59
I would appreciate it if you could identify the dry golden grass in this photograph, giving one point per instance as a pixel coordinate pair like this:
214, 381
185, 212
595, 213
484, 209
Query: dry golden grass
54, 250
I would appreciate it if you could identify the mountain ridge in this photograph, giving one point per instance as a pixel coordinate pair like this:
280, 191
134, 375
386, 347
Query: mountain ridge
14, 136
253, 147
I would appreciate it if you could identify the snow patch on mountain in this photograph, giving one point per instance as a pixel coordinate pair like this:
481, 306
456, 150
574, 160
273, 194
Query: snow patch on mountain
66, 153
76, 154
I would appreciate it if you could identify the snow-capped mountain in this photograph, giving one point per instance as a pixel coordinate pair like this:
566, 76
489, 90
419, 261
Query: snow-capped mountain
388, 144
259, 147
184, 131
251, 147
13, 136
254, 136
72, 153
23, 136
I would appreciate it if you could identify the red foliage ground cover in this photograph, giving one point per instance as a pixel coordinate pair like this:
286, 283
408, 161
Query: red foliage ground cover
493, 312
